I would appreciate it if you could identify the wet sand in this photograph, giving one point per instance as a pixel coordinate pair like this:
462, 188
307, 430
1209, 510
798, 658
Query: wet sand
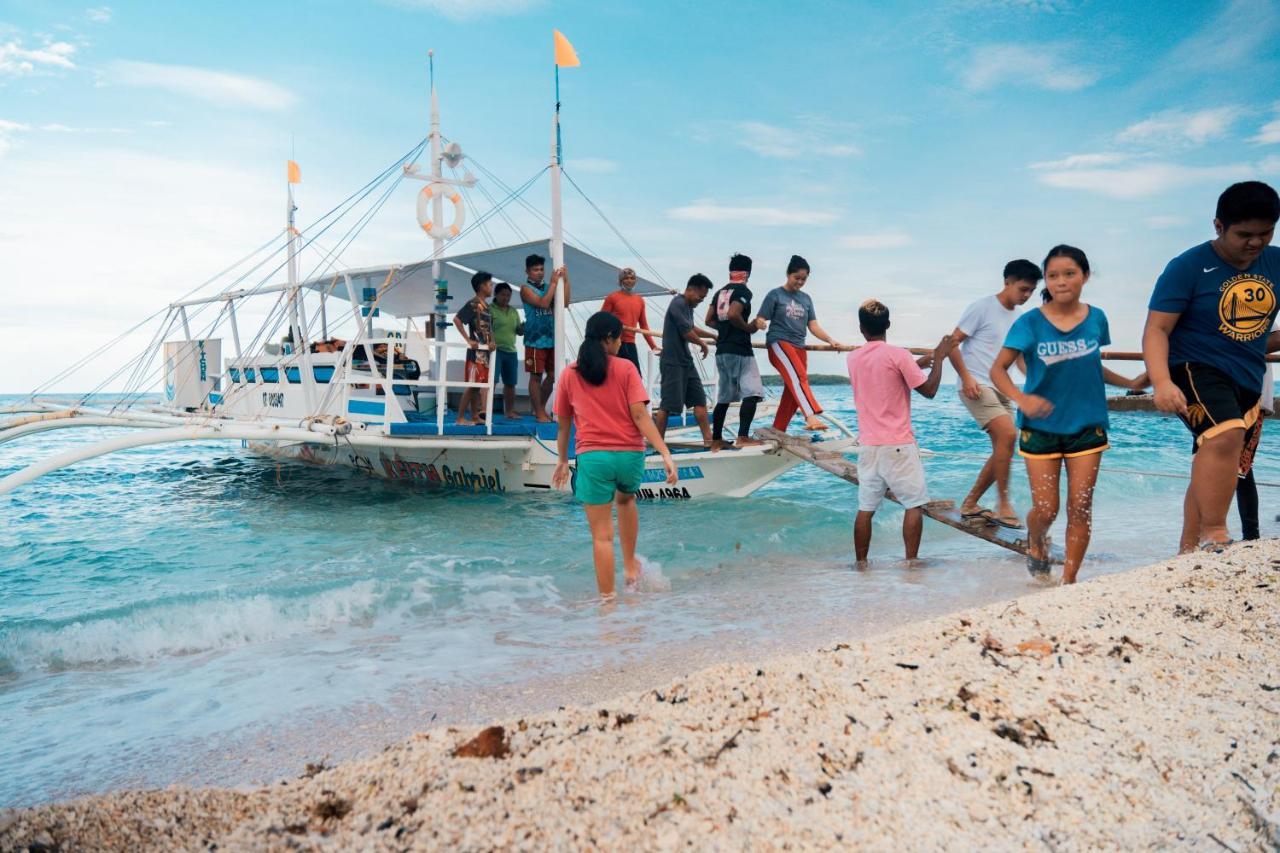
1134, 710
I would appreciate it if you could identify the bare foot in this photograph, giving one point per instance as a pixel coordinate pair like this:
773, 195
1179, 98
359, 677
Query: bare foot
747, 441
814, 425
716, 446
543, 419
461, 422
514, 416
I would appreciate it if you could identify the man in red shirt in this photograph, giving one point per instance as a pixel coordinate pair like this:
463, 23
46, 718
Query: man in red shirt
629, 308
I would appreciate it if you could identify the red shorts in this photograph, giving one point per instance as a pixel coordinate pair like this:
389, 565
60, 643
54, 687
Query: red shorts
538, 360
476, 372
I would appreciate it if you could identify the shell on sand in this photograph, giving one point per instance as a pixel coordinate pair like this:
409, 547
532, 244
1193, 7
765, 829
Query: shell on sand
1134, 710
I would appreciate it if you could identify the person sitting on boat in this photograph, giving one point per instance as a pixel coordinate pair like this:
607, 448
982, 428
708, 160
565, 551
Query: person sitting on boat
882, 377
978, 337
474, 322
540, 331
629, 307
329, 345
681, 384
507, 325
604, 403
739, 375
1062, 409
789, 316
1205, 345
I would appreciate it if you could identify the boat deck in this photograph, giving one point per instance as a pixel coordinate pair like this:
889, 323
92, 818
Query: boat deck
425, 424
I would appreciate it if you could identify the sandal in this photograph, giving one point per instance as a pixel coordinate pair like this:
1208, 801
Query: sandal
1211, 547
978, 513
1011, 522
1038, 568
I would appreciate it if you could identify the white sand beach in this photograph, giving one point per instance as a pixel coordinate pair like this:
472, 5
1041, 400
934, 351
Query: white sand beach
1137, 710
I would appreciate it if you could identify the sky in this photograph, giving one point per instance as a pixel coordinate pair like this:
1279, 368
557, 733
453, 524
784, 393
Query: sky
907, 150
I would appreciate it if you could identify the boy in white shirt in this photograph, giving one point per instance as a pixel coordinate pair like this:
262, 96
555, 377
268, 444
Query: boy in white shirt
979, 336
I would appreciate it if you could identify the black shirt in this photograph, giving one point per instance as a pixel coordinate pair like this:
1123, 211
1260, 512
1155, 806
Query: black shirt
733, 341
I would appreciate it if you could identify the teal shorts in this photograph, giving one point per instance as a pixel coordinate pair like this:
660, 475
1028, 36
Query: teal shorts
602, 472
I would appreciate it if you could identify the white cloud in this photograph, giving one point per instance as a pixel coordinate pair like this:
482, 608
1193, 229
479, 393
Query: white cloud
709, 211
1146, 179
770, 140
462, 10
1237, 36
1181, 127
592, 164
1039, 66
205, 84
99, 14
18, 61
7, 130
1160, 223
882, 240
1269, 133
1075, 161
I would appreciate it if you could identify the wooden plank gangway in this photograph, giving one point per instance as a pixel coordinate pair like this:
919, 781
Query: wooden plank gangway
944, 511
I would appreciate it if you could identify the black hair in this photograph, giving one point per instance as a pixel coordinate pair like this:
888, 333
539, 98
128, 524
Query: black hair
796, 264
478, 280
699, 280
1062, 250
500, 286
739, 263
1247, 200
593, 359
534, 260
873, 317
1022, 270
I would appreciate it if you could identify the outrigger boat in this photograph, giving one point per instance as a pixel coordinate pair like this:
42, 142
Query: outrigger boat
377, 401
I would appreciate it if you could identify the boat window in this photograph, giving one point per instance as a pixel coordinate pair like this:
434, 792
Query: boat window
249, 375
293, 375
270, 374
323, 372
235, 374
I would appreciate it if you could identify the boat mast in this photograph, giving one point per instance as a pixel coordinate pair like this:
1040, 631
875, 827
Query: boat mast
301, 346
437, 234
557, 231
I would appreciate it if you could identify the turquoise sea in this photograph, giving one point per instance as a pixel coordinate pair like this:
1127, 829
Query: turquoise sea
197, 613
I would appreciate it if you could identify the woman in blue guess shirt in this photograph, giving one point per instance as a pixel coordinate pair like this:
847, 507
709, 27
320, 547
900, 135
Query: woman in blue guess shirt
1062, 409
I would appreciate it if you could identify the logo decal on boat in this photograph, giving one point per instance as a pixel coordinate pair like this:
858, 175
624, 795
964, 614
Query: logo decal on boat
658, 475
458, 477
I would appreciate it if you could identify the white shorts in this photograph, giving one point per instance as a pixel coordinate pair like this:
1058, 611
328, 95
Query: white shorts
882, 467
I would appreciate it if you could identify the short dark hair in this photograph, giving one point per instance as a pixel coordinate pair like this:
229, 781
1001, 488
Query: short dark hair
699, 280
478, 280
873, 317
500, 287
739, 263
1022, 270
534, 260
1247, 200
796, 264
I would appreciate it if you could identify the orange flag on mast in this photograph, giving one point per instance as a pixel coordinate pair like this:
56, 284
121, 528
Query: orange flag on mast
295, 174
566, 56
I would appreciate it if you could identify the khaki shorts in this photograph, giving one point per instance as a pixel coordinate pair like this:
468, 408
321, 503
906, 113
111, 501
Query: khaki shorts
882, 467
990, 405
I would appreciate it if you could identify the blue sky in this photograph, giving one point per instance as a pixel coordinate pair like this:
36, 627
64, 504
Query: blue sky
907, 150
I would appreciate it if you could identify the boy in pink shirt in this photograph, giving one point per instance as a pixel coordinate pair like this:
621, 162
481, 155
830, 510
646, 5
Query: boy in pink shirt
883, 377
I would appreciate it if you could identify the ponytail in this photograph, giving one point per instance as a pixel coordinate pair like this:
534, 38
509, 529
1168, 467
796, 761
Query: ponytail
593, 359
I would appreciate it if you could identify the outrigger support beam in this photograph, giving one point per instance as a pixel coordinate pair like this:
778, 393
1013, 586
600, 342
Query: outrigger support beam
944, 512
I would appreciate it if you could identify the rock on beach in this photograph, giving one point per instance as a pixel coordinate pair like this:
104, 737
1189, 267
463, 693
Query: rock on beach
1139, 710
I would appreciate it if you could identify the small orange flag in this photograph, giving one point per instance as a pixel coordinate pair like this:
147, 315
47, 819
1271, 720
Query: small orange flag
566, 56
295, 174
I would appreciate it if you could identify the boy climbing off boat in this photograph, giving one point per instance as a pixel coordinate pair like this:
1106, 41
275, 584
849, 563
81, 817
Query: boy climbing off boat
604, 401
1062, 409
883, 377
739, 375
681, 384
475, 323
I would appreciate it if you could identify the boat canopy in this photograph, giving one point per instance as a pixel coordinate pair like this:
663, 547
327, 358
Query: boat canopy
407, 290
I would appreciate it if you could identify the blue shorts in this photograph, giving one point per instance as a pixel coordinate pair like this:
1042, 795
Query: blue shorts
508, 368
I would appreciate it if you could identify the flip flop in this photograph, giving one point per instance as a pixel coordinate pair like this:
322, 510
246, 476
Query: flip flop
1038, 568
979, 513
1212, 547
1010, 522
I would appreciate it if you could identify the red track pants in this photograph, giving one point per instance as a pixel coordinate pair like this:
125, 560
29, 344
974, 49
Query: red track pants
792, 364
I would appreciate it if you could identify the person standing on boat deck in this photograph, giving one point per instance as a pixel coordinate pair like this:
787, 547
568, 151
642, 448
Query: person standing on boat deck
475, 323
681, 384
1062, 409
629, 307
978, 337
603, 398
1246, 487
540, 331
735, 360
882, 378
507, 325
1205, 345
789, 316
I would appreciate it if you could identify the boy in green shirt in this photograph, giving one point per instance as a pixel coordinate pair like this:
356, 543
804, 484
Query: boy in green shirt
507, 323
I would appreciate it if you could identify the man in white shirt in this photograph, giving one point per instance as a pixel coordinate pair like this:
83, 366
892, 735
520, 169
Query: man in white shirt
980, 335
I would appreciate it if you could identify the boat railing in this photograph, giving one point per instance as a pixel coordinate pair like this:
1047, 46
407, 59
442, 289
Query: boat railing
382, 376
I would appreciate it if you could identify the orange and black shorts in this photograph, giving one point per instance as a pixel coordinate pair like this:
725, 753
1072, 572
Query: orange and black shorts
538, 360
1215, 402
1038, 444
